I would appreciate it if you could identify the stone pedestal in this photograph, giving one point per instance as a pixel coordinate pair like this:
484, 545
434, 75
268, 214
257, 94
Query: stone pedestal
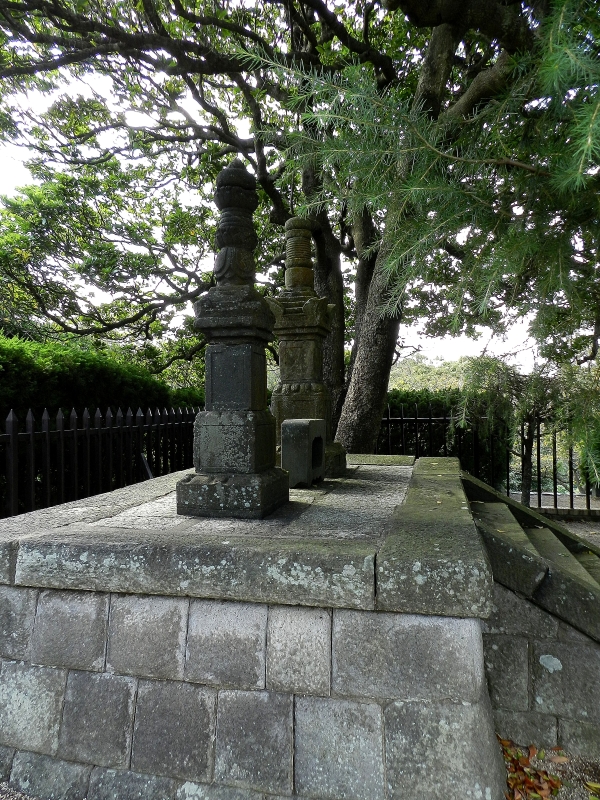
301, 324
234, 437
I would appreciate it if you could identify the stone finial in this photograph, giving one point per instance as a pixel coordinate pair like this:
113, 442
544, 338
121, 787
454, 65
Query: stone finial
236, 199
299, 272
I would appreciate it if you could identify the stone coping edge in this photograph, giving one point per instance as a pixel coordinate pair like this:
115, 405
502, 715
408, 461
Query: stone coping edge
360, 459
431, 562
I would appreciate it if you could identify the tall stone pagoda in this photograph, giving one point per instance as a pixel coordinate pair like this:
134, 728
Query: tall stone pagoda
302, 321
234, 438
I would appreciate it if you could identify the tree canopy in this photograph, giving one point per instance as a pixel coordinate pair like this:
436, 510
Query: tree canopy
448, 152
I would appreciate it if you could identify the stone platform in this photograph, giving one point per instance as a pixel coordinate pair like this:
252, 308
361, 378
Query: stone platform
332, 650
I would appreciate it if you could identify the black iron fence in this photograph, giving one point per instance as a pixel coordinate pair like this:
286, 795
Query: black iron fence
64, 458
69, 458
543, 467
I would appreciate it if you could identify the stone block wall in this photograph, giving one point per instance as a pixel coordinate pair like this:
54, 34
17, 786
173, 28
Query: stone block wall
112, 696
543, 677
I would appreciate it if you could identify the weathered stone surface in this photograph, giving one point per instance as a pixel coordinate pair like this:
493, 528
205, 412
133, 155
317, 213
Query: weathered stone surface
507, 671
442, 751
290, 571
335, 460
147, 636
233, 441
512, 614
110, 784
437, 467
30, 702
89, 510
8, 554
97, 719
17, 612
49, 778
299, 650
339, 749
236, 380
174, 730
356, 459
433, 561
411, 657
6, 759
246, 496
303, 450
527, 728
566, 680
70, 630
226, 644
515, 562
254, 741
580, 738
567, 633
198, 791
571, 599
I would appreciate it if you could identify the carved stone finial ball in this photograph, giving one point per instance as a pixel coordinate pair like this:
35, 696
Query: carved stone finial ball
236, 188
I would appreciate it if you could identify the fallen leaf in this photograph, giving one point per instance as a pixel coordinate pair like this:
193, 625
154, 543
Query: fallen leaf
592, 787
532, 751
559, 759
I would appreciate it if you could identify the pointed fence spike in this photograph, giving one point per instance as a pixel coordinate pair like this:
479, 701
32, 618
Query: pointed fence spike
128, 417
73, 418
12, 422
98, 418
45, 421
29, 422
149, 417
119, 416
60, 420
109, 418
139, 416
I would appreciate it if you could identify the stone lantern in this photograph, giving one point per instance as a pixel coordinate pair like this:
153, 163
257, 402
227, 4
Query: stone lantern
234, 437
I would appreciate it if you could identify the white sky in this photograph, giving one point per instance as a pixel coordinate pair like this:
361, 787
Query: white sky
517, 345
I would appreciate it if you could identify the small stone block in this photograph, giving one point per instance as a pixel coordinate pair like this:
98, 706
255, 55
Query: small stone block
335, 460
17, 612
238, 496
226, 644
6, 759
237, 442
174, 730
254, 741
111, 784
445, 750
49, 778
406, 656
97, 718
147, 636
512, 614
70, 630
339, 749
30, 702
303, 450
566, 680
299, 650
507, 671
580, 738
526, 728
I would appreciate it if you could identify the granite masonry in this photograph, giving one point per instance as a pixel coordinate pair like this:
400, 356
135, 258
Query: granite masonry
234, 437
146, 654
302, 321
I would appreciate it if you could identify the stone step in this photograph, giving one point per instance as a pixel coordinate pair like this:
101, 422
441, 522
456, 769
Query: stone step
553, 550
591, 562
515, 562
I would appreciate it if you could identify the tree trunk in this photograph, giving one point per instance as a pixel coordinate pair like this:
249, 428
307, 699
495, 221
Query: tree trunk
527, 461
364, 235
360, 420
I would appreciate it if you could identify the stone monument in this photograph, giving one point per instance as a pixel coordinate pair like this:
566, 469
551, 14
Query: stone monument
302, 321
234, 438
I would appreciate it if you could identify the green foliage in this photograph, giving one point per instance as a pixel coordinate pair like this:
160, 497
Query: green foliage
486, 217
52, 375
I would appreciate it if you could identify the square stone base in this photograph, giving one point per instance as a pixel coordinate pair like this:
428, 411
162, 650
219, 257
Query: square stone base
335, 460
240, 496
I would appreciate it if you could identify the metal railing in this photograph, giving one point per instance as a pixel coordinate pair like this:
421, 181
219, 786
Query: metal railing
497, 457
71, 458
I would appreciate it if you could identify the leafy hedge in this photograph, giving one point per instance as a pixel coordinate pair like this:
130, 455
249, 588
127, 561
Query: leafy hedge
53, 376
